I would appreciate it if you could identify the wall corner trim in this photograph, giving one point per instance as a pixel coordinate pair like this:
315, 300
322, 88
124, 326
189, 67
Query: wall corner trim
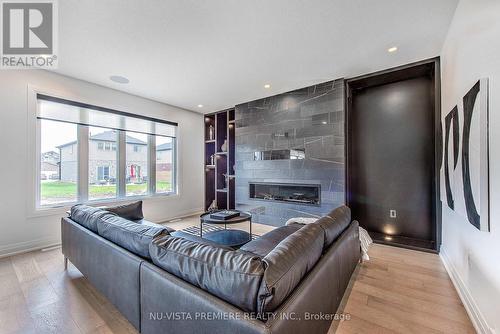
477, 318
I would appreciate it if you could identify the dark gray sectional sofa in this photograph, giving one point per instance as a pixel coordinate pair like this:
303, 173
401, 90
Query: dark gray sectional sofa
290, 280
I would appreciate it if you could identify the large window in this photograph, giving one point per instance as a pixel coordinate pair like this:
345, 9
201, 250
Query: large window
91, 153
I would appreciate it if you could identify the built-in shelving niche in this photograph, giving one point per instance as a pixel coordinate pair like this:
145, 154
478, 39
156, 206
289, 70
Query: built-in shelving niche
219, 159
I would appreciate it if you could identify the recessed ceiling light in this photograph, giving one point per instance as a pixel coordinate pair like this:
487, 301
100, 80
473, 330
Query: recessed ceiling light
324, 122
393, 49
119, 79
200, 105
267, 86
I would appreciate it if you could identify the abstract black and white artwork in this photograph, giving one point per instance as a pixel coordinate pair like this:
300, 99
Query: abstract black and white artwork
451, 146
466, 157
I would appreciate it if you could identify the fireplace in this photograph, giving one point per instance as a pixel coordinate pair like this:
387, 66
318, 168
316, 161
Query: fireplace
308, 194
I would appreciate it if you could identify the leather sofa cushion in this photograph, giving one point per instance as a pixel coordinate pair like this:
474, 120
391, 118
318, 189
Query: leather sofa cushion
287, 264
87, 216
148, 223
335, 223
266, 243
233, 276
131, 211
127, 234
195, 238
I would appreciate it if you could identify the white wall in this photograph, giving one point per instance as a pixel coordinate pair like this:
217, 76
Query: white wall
19, 228
472, 51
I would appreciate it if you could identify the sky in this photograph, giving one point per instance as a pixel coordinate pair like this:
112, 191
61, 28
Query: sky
56, 133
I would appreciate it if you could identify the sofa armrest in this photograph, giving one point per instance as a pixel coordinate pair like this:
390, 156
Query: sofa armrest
334, 270
112, 270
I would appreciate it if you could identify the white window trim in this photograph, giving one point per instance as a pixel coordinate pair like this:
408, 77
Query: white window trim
152, 164
83, 164
33, 164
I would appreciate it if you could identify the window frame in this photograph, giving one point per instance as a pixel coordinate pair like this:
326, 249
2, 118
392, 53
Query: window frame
36, 209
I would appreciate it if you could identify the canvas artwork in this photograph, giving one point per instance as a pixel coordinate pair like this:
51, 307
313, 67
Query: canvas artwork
466, 157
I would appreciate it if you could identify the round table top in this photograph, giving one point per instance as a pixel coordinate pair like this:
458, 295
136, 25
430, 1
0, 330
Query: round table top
238, 219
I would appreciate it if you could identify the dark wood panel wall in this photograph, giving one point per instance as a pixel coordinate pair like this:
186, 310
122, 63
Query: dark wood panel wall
393, 154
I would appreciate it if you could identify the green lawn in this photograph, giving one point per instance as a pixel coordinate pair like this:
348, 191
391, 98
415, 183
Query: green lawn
51, 190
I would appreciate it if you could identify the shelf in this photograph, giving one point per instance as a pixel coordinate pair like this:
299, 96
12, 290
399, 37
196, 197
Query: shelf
222, 126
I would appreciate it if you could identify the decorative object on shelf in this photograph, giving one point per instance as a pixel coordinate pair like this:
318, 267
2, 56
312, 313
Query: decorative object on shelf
226, 180
212, 159
211, 132
467, 184
224, 146
213, 206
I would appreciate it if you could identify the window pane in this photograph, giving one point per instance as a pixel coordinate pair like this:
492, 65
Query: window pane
164, 164
136, 153
103, 163
58, 163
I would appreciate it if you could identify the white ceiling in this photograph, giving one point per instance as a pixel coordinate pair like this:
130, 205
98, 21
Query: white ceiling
221, 52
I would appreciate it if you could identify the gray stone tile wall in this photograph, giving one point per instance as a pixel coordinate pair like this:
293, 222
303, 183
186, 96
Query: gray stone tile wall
310, 118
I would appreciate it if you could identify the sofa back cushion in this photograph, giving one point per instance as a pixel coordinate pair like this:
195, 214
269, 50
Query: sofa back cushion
87, 216
131, 211
233, 276
127, 234
287, 264
196, 238
266, 243
335, 223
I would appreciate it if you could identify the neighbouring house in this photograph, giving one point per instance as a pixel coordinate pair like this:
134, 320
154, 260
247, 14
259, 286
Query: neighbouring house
163, 161
103, 159
49, 168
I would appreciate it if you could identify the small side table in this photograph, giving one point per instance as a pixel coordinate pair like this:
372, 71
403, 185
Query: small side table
227, 237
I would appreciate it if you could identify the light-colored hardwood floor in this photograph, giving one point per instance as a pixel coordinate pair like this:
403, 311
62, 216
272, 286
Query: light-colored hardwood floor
403, 291
397, 291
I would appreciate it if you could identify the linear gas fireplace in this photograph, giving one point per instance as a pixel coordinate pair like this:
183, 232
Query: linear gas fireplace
309, 194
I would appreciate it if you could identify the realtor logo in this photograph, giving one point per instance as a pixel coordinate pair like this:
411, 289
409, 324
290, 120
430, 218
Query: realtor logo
28, 34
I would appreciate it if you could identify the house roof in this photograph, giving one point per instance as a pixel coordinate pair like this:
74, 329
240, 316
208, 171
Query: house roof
109, 136
49, 153
164, 147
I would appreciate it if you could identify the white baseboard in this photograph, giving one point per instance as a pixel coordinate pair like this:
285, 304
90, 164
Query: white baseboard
475, 315
28, 246
184, 214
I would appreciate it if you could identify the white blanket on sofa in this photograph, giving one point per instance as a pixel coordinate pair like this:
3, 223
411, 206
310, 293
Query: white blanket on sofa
364, 237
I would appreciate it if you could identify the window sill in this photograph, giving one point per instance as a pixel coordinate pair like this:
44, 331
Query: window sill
63, 208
